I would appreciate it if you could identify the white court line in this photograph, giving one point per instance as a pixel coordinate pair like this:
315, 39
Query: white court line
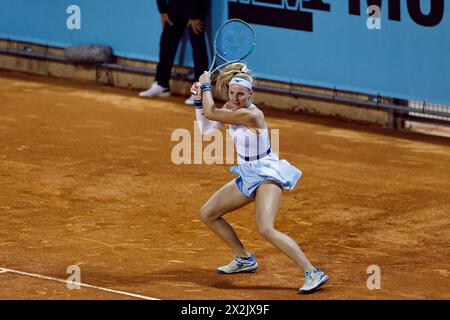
4, 270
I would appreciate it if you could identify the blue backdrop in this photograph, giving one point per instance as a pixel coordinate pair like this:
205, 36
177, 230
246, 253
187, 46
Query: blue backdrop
324, 43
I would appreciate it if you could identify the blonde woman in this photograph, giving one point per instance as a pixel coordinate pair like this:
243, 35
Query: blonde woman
262, 176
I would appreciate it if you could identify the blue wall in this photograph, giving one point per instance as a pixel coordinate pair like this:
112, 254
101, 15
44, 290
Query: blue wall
132, 28
404, 59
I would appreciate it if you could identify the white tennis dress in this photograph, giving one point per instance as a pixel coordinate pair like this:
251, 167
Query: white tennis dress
256, 161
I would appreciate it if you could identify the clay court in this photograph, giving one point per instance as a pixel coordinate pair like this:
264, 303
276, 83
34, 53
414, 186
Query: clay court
86, 179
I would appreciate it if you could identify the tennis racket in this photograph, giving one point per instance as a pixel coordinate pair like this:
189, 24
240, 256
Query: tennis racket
234, 42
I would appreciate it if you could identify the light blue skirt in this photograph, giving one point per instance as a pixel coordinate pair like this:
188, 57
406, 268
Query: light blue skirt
253, 173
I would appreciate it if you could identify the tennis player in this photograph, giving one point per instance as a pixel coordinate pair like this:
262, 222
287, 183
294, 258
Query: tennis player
262, 176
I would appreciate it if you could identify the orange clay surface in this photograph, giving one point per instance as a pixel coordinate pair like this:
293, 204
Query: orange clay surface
86, 179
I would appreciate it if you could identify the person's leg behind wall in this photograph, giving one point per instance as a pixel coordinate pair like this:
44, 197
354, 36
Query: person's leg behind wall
200, 56
170, 39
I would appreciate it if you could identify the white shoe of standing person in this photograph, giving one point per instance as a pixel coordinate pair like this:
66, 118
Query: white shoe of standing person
155, 91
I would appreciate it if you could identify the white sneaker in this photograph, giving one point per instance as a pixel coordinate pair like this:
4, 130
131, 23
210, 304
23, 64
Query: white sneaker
189, 101
313, 280
155, 91
240, 265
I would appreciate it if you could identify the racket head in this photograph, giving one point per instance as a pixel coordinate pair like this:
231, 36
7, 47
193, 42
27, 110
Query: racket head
234, 41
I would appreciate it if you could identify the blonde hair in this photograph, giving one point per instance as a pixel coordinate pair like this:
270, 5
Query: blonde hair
229, 72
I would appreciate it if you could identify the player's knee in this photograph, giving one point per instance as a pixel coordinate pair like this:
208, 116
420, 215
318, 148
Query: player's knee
266, 230
206, 215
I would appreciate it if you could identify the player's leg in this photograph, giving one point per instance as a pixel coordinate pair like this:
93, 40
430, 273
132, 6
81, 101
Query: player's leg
226, 199
268, 196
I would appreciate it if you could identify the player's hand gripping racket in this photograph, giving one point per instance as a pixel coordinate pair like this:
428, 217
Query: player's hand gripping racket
234, 41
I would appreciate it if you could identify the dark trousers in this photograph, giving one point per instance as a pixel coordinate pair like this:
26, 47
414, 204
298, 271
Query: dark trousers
170, 39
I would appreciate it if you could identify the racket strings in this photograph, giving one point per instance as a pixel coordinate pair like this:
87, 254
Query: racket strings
235, 41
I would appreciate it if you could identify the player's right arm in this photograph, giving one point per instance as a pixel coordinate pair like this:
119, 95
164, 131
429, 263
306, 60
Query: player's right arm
206, 126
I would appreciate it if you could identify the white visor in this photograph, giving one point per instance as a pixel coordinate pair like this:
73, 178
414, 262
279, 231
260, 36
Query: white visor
242, 82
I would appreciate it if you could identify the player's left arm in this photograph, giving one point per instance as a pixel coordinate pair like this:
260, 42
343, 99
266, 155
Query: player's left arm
249, 118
